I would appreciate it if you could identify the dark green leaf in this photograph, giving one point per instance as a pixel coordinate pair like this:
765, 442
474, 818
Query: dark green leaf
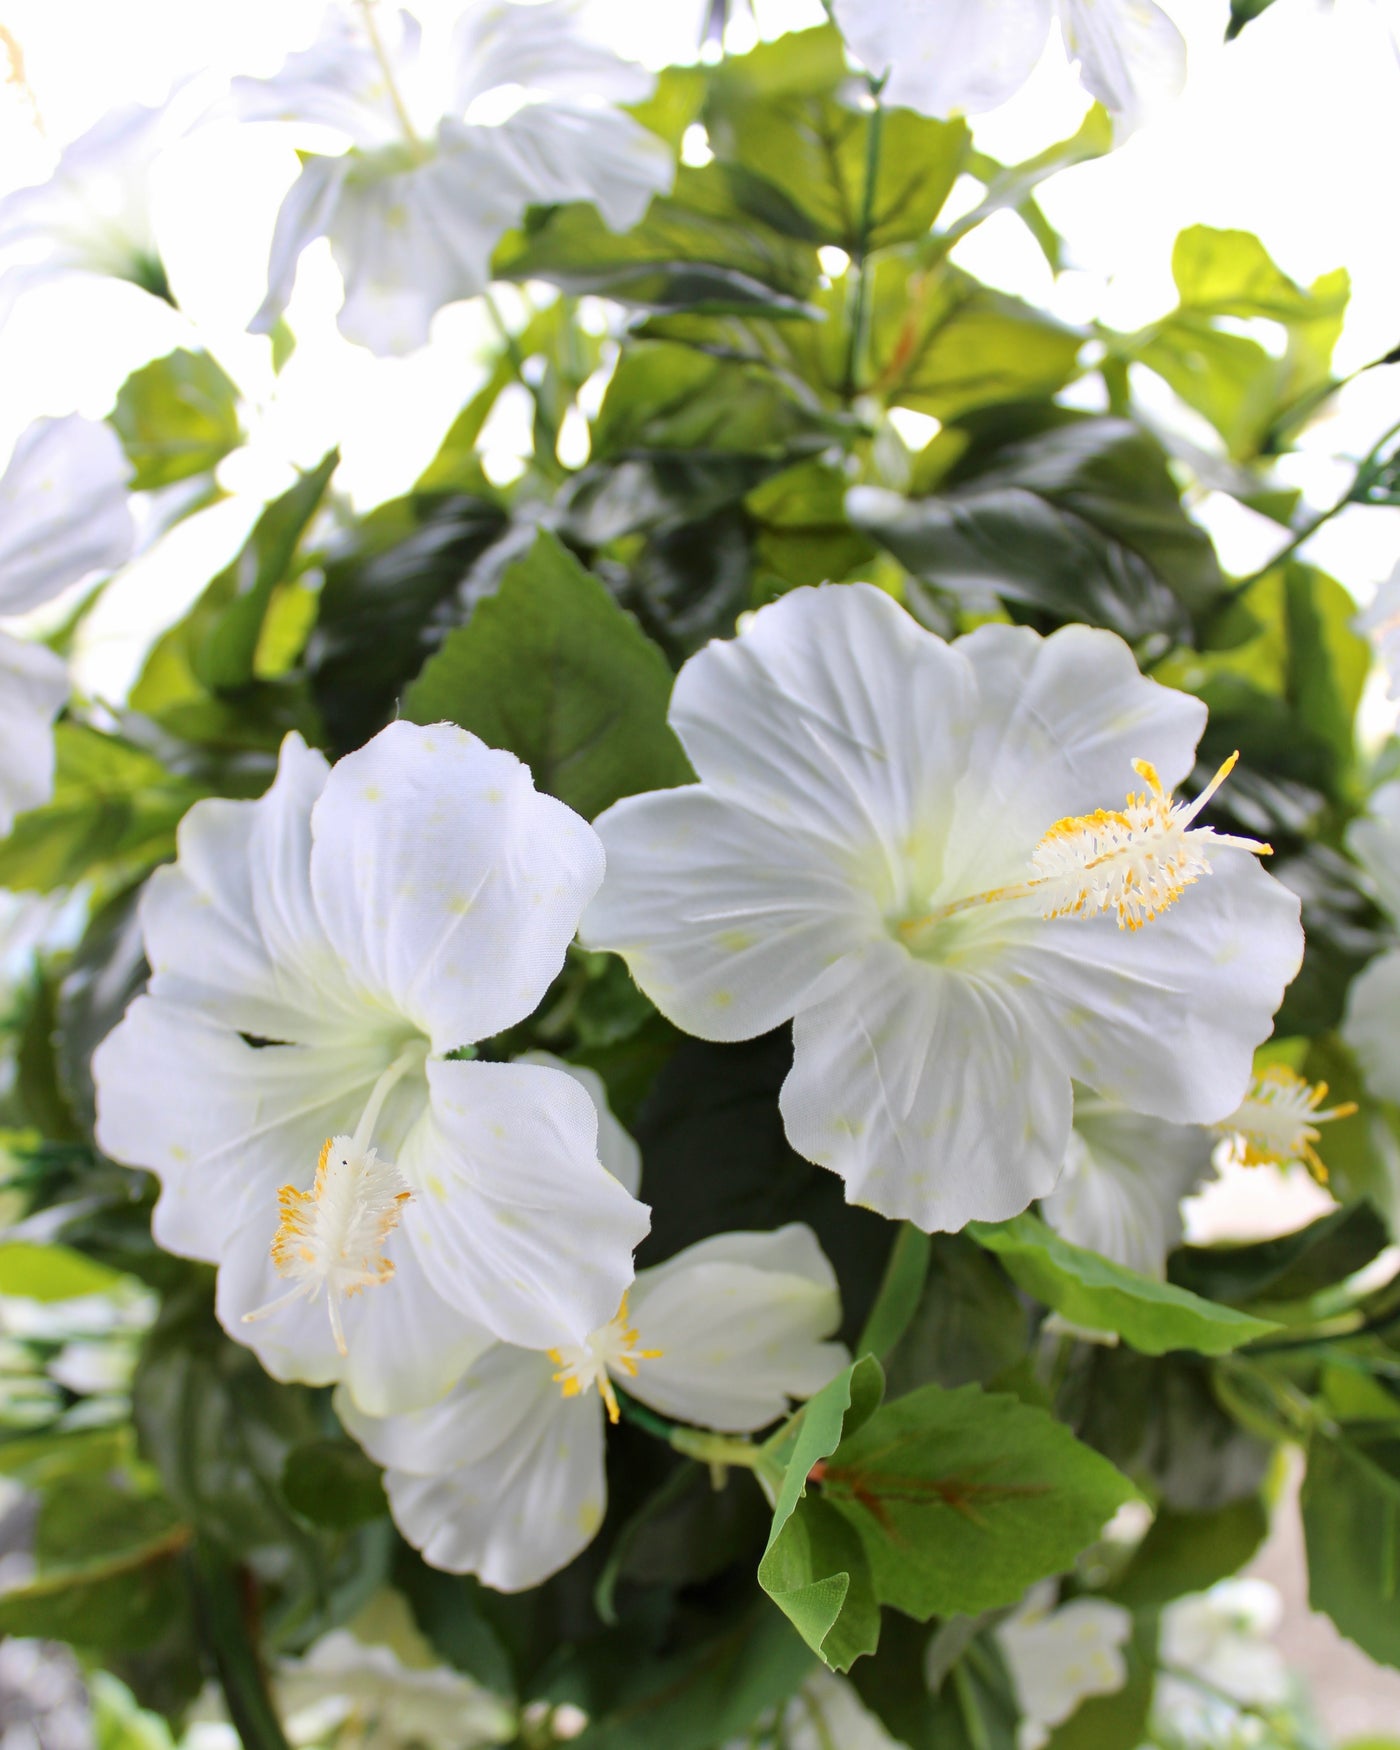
1088, 1290
551, 668
901, 1291
176, 417
971, 1324
1291, 1267
1351, 1522
1187, 1552
331, 1482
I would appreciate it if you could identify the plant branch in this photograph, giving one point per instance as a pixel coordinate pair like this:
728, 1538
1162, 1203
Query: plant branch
859, 307
224, 1633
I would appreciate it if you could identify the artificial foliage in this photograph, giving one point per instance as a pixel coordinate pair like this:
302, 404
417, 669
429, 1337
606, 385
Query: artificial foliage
920, 1386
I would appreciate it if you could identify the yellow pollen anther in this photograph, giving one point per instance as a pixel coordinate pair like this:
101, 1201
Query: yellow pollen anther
609, 1350
1276, 1122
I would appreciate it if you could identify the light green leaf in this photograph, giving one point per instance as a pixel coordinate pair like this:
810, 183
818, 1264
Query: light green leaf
1230, 273
1089, 1290
176, 417
52, 1272
551, 668
815, 1567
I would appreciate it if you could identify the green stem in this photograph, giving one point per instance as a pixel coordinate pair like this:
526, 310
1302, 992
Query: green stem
901, 1289
546, 427
224, 1633
1366, 472
697, 1443
859, 309
967, 1706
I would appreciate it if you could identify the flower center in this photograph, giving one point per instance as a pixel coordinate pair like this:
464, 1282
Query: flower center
1276, 1122
611, 1349
333, 1235
1134, 861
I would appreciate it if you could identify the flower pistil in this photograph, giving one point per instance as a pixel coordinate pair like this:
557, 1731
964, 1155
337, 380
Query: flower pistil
1276, 1122
610, 1349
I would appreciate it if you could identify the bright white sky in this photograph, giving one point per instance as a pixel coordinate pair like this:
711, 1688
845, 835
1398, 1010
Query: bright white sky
1292, 132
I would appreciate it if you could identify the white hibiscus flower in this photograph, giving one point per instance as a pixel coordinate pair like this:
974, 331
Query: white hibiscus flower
63, 514
318, 958
93, 215
1060, 1656
1381, 622
825, 1713
960, 57
504, 1477
1373, 1003
448, 145
1123, 1181
890, 846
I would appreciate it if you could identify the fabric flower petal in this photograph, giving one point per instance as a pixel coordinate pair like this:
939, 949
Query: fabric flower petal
725, 919
930, 1092
1371, 1027
1131, 56
64, 510
503, 1479
1059, 722
946, 57
307, 212
616, 1149
33, 690
1374, 840
1166, 1019
516, 1222
740, 1321
490, 49
223, 1124
464, 936
566, 152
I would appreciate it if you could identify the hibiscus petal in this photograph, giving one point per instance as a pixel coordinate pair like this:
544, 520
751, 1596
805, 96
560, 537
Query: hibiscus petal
406, 1345
33, 690
1166, 1019
739, 1319
64, 510
726, 919
230, 928
929, 1091
1131, 56
946, 57
506, 1478
542, 50
516, 1222
449, 886
835, 714
223, 1124
1372, 1025
616, 1149
306, 213
1059, 722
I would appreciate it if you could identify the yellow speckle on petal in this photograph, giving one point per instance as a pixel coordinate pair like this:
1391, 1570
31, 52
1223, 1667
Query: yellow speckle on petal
372, 793
735, 941
590, 1517
723, 999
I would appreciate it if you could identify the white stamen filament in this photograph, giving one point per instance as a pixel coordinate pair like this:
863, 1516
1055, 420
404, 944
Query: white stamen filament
612, 1349
333, 1235
1276, 1122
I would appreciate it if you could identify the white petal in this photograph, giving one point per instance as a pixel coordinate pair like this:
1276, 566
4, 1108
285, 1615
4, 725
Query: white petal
1374, 840
1131, 56
1124, 1178
446, 882
503, 1479
230, 928
516, 1222
307, 212
947, 57
1382, 621
63, 510
1371, 1028
337, 82
33, 690
223, 1124
407, 1346
1166, 1019
740, 1320
726, 919
616, 1149
1058, 1660
836, 714
1059, 722
539, 50
562, 152
932, 1093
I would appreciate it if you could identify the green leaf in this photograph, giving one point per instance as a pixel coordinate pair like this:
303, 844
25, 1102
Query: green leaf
1187, 1552
236, 602
331, 1482
1291, 1267
1013, 186
1351, 1524
113, 813
816, 151
1080, 519
176, 417
51, 1272
387, 601
970, 1325
1090, 1291
900, 1292
815, 1567
1230, 273
710, 245
963, 1499
551, 668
